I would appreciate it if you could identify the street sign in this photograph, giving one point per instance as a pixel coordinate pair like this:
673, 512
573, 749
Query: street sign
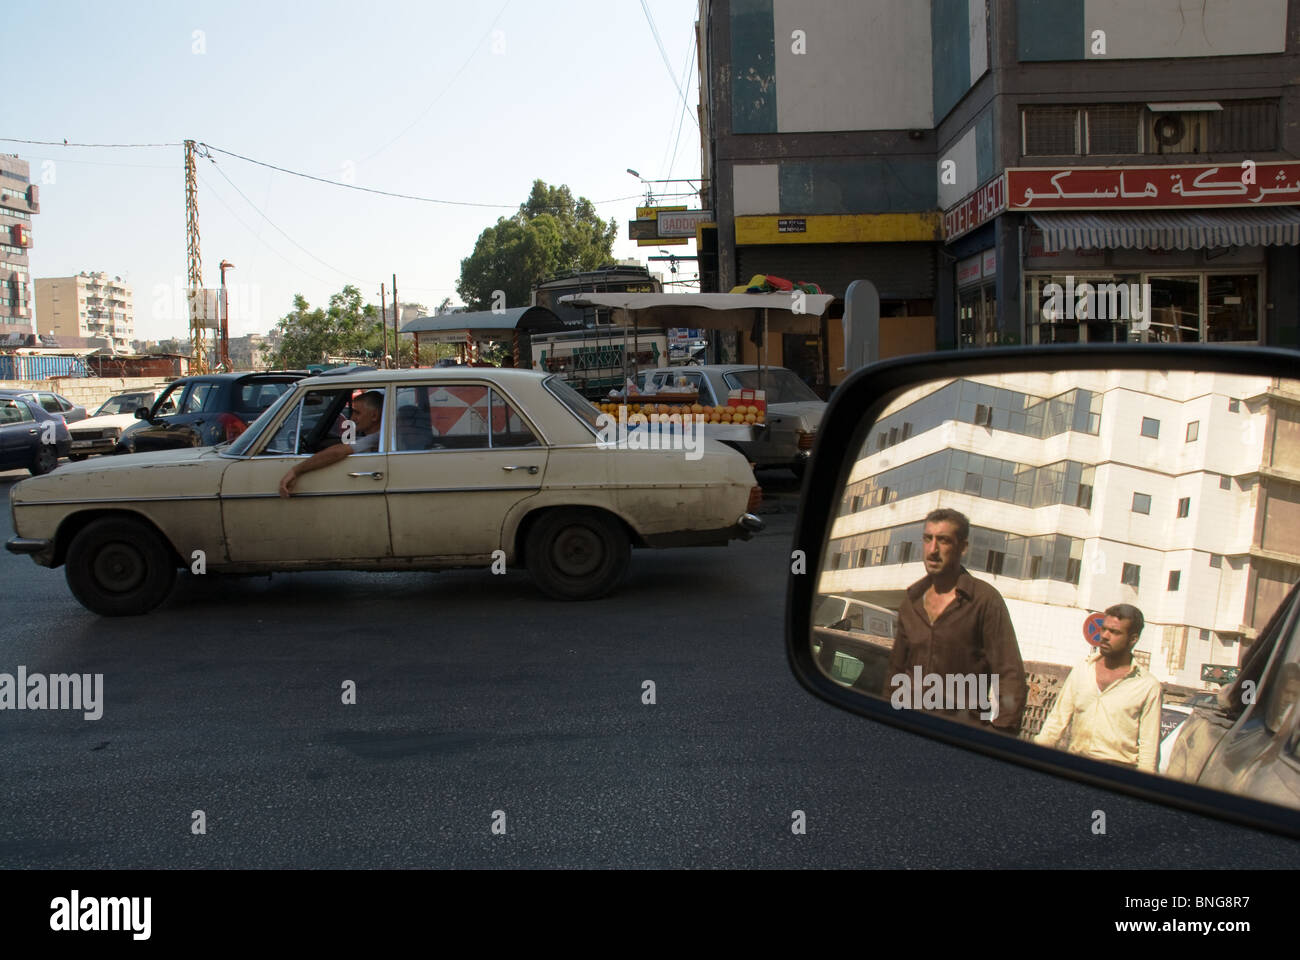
1219, 672
1092, 628
682, 224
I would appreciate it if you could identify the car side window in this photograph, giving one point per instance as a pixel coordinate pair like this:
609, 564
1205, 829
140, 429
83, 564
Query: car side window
508, 428
199, 396
1281, 691
167, 405
14, 411
50, 402
453, 417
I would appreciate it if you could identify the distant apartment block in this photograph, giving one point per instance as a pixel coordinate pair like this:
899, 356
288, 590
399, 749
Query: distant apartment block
91, 307
19, 201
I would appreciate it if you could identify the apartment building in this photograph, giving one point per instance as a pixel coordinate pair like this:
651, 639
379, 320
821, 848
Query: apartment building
1178, 492
93, 308
19, 202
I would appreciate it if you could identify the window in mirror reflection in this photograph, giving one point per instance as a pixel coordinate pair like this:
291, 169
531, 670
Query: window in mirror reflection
1021, 552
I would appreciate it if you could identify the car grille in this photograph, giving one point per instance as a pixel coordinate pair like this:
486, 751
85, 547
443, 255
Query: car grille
107, 433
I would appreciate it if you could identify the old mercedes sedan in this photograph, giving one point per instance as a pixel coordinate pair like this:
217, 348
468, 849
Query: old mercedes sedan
465, 467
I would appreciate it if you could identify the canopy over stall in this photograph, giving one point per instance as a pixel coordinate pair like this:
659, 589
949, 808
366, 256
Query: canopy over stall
791, 312
491, 325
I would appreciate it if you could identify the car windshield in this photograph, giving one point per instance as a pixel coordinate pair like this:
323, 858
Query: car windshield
577, 404
246, 439
779, 384
125, 403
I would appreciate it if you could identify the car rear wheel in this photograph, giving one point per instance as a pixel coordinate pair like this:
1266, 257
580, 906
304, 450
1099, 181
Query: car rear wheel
577, 554
119, 567
46, 459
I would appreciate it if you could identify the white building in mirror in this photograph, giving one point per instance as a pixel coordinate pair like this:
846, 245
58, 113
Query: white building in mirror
1178, 492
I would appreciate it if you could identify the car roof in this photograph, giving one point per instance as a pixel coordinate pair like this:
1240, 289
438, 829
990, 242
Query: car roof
712, 367
504, 375
232, 377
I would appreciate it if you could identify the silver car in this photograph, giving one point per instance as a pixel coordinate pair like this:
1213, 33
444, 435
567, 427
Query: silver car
793, 410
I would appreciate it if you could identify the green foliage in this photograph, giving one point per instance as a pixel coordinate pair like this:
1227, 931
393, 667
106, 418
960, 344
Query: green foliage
347, 328
551, 234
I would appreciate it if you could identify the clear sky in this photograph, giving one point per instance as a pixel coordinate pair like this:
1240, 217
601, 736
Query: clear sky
468, 101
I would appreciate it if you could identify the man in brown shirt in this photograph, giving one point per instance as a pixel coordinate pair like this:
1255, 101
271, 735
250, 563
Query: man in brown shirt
951, 625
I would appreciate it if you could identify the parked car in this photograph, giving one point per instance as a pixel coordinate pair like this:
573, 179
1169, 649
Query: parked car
200, 411
25, 426
471, 461
57, 405
793, 410
100, 433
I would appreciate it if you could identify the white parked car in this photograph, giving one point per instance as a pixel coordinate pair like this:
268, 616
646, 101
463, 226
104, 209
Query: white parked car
470, 461
100, 432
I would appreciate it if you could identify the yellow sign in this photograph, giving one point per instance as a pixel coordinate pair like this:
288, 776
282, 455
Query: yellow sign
665, 242
856, 228
652, 213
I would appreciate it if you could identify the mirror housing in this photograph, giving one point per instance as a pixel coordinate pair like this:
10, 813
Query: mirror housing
142, 413
857, 403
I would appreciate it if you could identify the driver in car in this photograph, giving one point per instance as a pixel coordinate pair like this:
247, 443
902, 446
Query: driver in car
367, 411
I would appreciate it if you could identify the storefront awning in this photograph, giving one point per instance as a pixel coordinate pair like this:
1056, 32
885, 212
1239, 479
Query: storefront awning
1170, 230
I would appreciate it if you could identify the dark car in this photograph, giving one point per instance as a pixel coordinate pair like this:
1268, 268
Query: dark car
25, 432
204, 410
55, 404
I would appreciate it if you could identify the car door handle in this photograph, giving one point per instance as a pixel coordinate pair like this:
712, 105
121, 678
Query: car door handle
529, 467
373, 473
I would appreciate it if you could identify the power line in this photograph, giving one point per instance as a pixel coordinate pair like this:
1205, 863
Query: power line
677, 141
65, 143
672, 75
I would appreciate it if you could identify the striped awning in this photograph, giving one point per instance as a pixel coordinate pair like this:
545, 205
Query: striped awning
1170, 229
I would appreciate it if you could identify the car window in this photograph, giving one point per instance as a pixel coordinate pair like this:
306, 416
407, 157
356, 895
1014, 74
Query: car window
1281, 691
439, 417
301, 431
123, 403
200, 396
249, 438
779, 385
50, 402
508, 428
577, 404
167, 402
254, 396
14, 411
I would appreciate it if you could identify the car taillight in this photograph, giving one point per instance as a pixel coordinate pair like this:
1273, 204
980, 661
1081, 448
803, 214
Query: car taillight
755, 498
806, 440
232, 425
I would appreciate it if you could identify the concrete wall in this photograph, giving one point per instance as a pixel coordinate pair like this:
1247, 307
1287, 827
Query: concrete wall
89, 392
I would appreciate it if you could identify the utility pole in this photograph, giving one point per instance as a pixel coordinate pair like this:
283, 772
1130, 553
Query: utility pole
397, 312
225, 317
194, 266
383, 321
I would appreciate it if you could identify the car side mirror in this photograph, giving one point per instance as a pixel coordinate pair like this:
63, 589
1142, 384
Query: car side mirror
142, 413
1058, 552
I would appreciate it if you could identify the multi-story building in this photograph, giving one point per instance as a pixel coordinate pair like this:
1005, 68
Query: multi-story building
1179, 493
90, 307
966, 155
19, 201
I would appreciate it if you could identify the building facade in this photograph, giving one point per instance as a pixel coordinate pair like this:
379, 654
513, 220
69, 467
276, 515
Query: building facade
19, 202
90, 307
1179, 493
970, 157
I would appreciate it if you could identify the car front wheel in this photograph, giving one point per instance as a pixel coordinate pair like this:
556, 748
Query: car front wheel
577, 554
119, 567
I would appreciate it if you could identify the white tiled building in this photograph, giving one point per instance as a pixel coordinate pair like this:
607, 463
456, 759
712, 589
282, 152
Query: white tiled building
91, 306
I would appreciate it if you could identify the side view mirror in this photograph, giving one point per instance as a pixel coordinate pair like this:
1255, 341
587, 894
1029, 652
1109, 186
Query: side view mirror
142, 413
1079, 559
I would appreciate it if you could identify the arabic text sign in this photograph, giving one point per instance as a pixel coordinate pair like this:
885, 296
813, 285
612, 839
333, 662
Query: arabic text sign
976, 209
1128, 188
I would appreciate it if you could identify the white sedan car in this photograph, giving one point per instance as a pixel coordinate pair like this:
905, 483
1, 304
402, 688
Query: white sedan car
474, 467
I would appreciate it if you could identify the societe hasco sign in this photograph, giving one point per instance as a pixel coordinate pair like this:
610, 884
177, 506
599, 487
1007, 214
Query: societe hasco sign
976, 209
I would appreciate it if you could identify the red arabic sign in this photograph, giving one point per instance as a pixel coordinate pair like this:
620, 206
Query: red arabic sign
1242, 184
976, 209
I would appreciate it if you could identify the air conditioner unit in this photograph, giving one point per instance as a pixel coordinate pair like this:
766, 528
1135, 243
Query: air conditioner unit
1176, 133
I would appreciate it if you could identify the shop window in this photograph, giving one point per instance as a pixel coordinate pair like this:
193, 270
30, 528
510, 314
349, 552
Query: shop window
1150, 428
1175, 309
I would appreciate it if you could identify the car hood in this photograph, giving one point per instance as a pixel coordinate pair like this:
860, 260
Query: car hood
119, 420
167, 472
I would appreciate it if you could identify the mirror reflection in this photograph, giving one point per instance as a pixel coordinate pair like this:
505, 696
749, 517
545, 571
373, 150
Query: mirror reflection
1101, 562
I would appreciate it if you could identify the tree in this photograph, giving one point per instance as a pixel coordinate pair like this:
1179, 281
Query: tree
551, 234
347, 328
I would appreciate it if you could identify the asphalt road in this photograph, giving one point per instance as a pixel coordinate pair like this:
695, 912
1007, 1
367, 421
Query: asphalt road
475, 694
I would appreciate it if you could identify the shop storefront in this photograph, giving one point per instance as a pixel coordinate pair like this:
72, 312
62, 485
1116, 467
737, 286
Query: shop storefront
1170, 254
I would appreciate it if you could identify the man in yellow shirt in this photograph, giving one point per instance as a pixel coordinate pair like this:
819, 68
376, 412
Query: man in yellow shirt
1109, 704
